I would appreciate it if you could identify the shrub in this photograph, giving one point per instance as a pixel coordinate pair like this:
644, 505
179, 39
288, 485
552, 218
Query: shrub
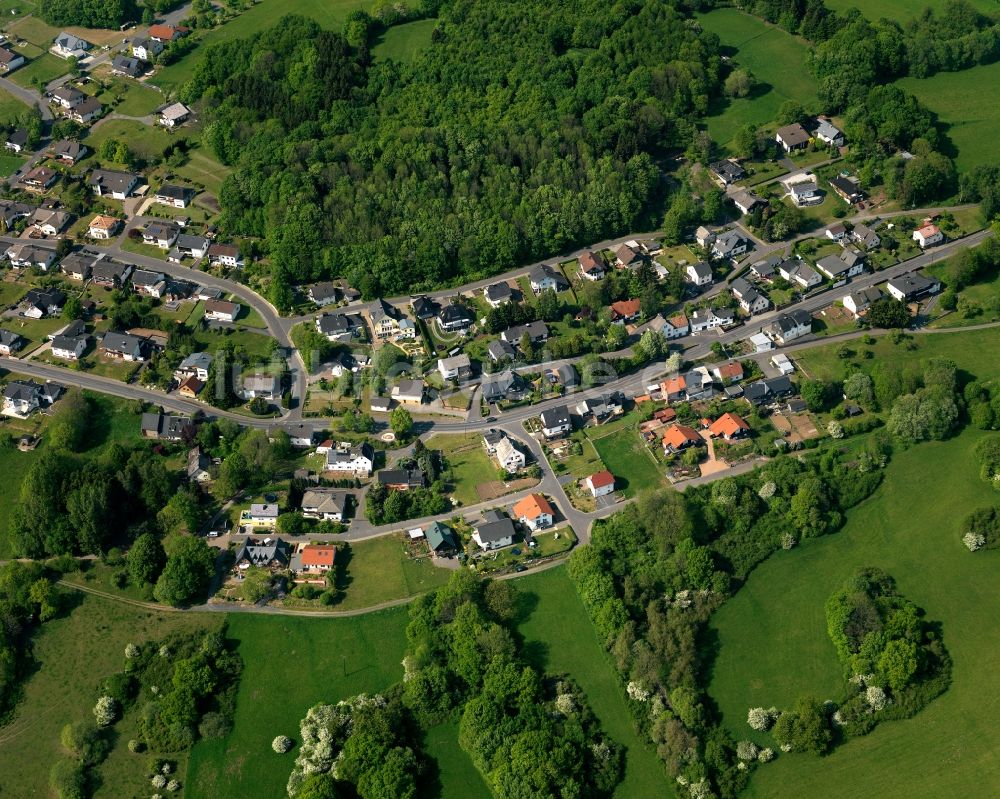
131, 651
746, 750
761, 719
159, 781
765, 755
106, 711
281, 744
974, 541
135, 746
876, 698
173, 785
981, 528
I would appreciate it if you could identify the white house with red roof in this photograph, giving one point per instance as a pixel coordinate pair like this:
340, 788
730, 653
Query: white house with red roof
601, 484
928, 235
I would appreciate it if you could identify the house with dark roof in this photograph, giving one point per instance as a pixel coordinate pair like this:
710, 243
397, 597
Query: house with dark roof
455, 317
767, 391
789, 326
912, 286
124, 347
68, 151
497, 294
500, 350
749, 298
126, 66
109, 183
792, 137
198, 464
441, 539
829, 133
271, 554
17, 140
173, 195
402, 479
494, 534
424, 307
542, 277
847, 188
727, 172
507, 384
537, 331
556, 421
339, 327
164, 426
10, 342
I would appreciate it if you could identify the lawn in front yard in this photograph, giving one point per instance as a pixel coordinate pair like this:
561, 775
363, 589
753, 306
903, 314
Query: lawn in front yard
39, 71
10, 107
290, 664
626, 456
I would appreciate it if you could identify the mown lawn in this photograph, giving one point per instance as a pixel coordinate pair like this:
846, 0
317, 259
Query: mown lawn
146, 141
773, 645
291, 664
404, 42
626, 457
468, 461
775, 58
39, 71
457, 777
559, 637
9, 163
968, 104
139, 101
202, 168
73, 654
10, 107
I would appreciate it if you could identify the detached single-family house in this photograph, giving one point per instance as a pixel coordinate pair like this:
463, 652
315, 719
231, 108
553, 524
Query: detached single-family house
17, 140
731, 372
847, 188
592, 266
679, 437
49, 222
497, 294
600, 484
625, 311
457, 367
188, 246
174, 196
704, 237
10, 342
789, 326
534, 511
865, 236
537, 331
103, 227
146, 49
928, 235
164, 426
674, 389
110, 274
355, 460
676, 326
9, 60
408, 392
730, 244
710, 318
161, 234
126, 66
729, 427
25, 256
542, 277
260, 385
795, 271
835, 232
766, 268
628, 257
494, 534
198, 464
556, 421
749, 298
500, 350
767, 391
69, 348
68, 151
68, 98
426, 308
117, 185
441, 539
222, 310
315, 558
601, 407
149, 284
912, 286
727, 172
87, 111
325, 503
805, 193
123, 346
194, 365
384, 318
858, 302
339, 327
510, 458
225, 254
747, 202
39, 303
272, 554
324, 293
792, 137
700, 273
454, 318
174, 115
66, 45
843, 266
21, 398
829, 133
39, 179
402, 479
166, 33
505, 385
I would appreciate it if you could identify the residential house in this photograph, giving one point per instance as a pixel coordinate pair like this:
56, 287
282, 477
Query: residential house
155, 339
795, 271
69, 348
729, 427
384, 318
149, 284
110, 274
500, 350
843, 266
271, 554
805, 193
829, 133
340, 327
103, 227
928, 235
174, 196
174, 115
225, 255
67, 98
198, 464
866, 237
166, 33
600, 484
457, 367
592, 266
126, 66
222, 310
847, 188
792, 137
116, 185
912, 286
66, 45
835, 232
146, 49
676, 326
424, 307
760, 343
710, 318
161, 234
23, 256
164, 426
537, 331
316, 559
542, 277
87, 111
507, 384
699, 383
729, 245
491, 438
679, 437
602, 406
556, 421
704, 237
328, 504
17, 140
782, 363
124, 346
494, 534
402, 479
534, 512
455, 318
69, 152
789, 326
441, 539
730, 372
356, 460
700, 273
750, 299
190, 387
39, 303
564, 375
49, 222
187, 246
39, 179
747, 202
674, 389
9, 60
766, 268
497, 294
21, 398
727, 172
267, 387
300, 434
10, 342
510, 458
625, 311
628, 257
769, 390
195, 365
858, 302
408, 392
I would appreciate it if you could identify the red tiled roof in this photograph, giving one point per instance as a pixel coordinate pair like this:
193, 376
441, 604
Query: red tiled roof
532, 506
678, 435
727, 425
601, 479
318, 555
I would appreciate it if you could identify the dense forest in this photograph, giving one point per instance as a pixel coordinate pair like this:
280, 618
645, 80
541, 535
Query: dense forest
474, 158
88, 13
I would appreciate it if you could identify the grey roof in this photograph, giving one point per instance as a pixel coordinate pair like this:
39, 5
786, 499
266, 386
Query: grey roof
110, 180
537, 330
261, 383
460, 361
144, 277
196, 360
865, 297
77, 263
728, 170
197, 461
62, 342
832, 265
414, 478
409, 387
729, 240
555, 417
911, 284
188, 242
828, 129
108, 270
18, 137
126, 64
849, 186
175, 192
539, 272
162, 230
499, 385
9, 338
793, 134
89, 106
423, 307
491, 532
261, 554
453, 313
765, 390
701, 269
121, 342
325, 500
337, 324
338, 456
23, 390
381, 309
45, 298
498, 292
499, 349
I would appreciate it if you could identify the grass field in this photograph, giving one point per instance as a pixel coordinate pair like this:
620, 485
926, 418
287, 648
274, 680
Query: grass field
146, 141
627, 458
328, 13
139, 101
457, 777
73, 654
968, 103
903, 10
201, 167
777, 61
9, 164
404, 42
10, 107
469, 462
14, 9
773, 644
559, 637
39, 70
290, 664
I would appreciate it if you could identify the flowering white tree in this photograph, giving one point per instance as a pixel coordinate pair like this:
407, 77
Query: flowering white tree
876, 698
746, 750
974, 541
767, 490
700, 790
760, 719
159, 781
637, 692
765, 755
566, 704
281, 744
134, 746
173, 786
131, 651
835, 429
788, 541
105, 711
164, 651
